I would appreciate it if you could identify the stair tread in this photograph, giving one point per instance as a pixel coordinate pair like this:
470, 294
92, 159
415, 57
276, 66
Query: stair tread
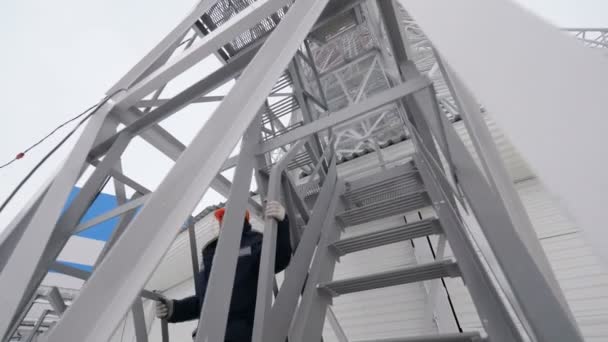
386, 236
387, 207
456, 337
403, 275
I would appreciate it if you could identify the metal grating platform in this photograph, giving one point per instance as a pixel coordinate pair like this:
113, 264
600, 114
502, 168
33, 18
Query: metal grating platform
386, 236
400, 276
223, 10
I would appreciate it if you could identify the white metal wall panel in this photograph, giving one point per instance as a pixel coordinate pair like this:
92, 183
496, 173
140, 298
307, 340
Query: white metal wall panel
583, 280
577, 269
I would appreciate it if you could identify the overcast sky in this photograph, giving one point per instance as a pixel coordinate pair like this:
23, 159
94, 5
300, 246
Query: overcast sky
59, 57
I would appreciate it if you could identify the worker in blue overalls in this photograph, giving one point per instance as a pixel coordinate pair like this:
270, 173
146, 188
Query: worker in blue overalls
242, 306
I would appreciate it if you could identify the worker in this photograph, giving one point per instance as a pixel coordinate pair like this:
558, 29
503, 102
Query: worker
242, 306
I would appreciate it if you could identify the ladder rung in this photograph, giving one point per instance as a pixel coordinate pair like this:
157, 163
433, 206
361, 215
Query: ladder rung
387, 236
406, 275
462, 337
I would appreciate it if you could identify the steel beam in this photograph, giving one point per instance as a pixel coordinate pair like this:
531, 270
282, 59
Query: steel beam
12, 233
56, 300
159, 102
139, 321
532, 290
22, 268
493, 314
346, 114
335, 325
84, 275
39, 322
267, 258
237, 24
498, 177
123, 209
139, 124
214, 314
126, 218
193, 255
162, 48
173, 148
309, 319
278, 322
142, 246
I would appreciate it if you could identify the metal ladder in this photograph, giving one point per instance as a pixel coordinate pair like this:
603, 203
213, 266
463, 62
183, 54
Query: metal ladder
397, 190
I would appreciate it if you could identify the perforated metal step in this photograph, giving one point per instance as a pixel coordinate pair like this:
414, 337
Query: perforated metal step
393, 182
384, 208
400, 276
464, 337
386, 236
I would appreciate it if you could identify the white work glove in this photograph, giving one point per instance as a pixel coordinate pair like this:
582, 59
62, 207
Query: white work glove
164, 308
275, 210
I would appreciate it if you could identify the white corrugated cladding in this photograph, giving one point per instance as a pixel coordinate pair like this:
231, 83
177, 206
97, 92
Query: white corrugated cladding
583, 281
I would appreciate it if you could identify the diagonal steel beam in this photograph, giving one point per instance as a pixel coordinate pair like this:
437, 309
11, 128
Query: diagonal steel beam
22, 266
240, 22
102, 303
163, 47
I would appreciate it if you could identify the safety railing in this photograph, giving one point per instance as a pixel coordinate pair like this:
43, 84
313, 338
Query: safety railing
280, 313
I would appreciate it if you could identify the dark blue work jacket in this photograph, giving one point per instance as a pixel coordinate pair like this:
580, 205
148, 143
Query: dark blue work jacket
242, 305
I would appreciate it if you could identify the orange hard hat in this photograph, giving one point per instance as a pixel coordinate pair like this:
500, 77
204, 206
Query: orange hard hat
219, 214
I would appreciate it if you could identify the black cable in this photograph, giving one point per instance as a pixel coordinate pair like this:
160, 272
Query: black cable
47, 136
54, 149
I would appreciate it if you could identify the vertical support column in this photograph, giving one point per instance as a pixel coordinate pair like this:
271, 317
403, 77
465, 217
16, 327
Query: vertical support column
314, 148
214, 314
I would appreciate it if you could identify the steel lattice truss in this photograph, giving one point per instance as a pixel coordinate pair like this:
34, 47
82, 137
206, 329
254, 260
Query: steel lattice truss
311, 79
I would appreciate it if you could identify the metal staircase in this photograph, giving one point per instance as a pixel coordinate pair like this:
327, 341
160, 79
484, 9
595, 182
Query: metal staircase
353, 83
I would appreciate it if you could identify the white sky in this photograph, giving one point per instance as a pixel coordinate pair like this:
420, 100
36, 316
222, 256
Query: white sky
59, 57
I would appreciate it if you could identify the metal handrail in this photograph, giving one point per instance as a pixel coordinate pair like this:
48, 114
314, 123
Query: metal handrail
267, 258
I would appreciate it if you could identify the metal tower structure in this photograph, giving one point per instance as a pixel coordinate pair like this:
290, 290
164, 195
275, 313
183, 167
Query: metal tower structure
318, 82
